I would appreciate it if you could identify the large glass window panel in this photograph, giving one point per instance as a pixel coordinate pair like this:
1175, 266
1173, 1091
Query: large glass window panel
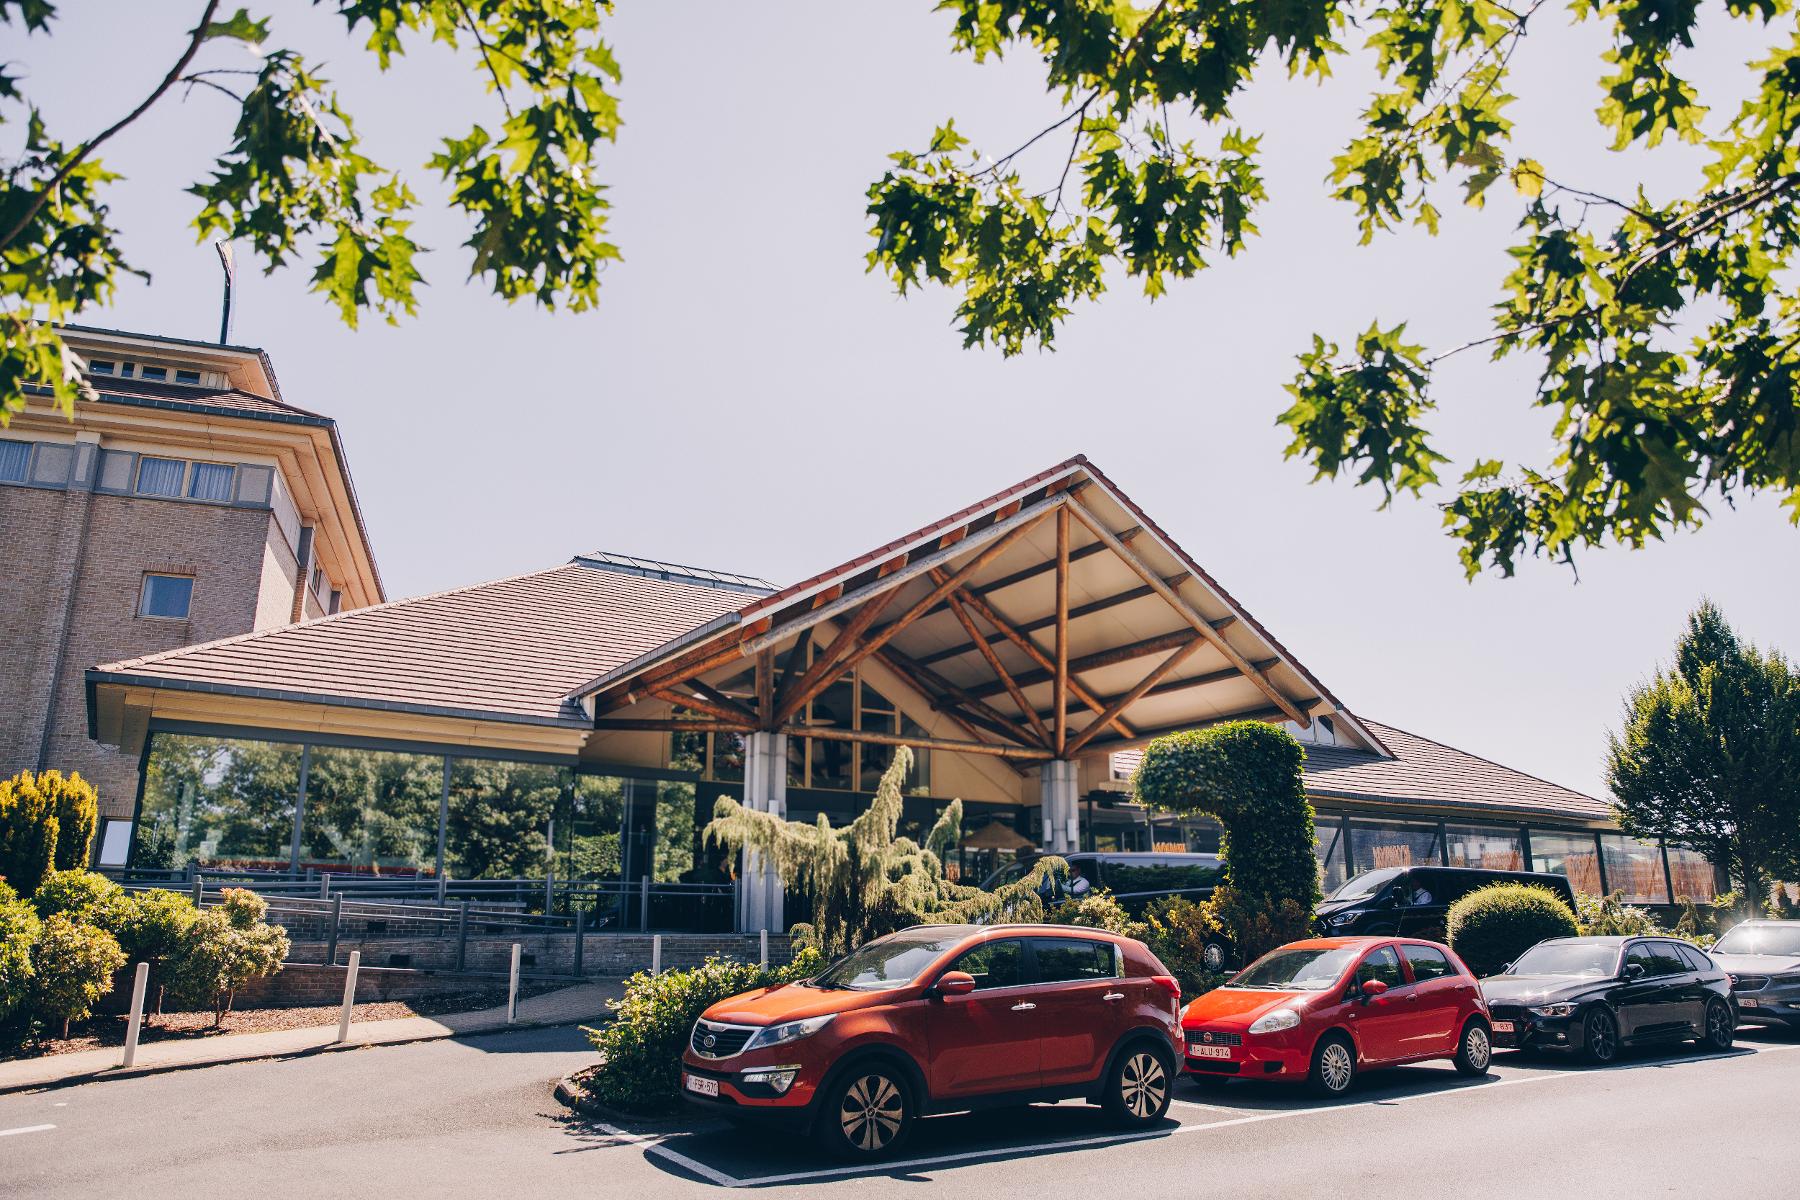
589, 838
217, 802
1487, 847
499, 818
1328, 846
372, 811
728, 757
1569, 854
14, 457
1693, 874
1635, 868
676, 832
1376, 844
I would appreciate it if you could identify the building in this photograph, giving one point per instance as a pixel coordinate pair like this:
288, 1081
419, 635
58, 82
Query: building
188, 502
579, 722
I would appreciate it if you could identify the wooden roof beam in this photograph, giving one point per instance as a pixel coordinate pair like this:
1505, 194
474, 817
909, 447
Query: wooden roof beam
1175, 659
1075, 614
999, 669
928, 743
1188, 683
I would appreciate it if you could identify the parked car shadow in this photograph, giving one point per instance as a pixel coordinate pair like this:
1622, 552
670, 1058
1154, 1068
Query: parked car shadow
1255, 1096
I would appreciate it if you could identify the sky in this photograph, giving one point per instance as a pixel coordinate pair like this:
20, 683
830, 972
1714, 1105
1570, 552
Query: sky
747, 398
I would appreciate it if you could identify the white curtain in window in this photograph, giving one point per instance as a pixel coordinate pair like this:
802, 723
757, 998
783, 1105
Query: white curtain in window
211, 481
160, 476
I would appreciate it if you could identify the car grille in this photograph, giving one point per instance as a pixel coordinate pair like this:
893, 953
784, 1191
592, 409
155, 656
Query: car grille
712, 1040
1749, 983
1508, 1012
1213, 1037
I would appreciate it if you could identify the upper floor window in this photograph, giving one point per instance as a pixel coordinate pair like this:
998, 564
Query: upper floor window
210, 481
160, 476
15, 457
166, 596
101, 366
188, 377
159, 374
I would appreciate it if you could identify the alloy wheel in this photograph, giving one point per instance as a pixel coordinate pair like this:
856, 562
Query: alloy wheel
872, 1113
1336, 1067
1718, 1026
1212, 957
1602, 1037
1143, 1084
1477, 1048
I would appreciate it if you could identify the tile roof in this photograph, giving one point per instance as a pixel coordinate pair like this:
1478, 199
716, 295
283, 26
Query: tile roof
1426, 772
227, 402
509, 650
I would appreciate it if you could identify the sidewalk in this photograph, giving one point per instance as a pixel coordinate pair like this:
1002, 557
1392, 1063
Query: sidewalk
567, 1006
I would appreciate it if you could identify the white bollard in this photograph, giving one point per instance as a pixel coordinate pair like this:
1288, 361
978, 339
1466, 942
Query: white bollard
656, 954
512, 989
136, 1023
349, 995
765, 949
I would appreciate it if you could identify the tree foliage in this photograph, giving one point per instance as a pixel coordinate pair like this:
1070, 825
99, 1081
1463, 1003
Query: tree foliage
29, 828
1708, 755
864, 880
225, 948
19, 926
72, 966
296, 184
1666, 331
1491, 926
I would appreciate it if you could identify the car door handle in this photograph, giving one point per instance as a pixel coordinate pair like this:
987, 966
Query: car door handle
1113, 996
1025, 1007
1413, 998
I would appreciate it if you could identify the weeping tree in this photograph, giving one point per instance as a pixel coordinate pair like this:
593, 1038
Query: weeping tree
864, 879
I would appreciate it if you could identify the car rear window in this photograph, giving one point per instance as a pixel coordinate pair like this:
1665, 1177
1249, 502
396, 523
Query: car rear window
1427, 962
1062, 959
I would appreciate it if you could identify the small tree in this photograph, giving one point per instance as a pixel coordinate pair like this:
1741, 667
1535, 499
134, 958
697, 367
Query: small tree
1491, 926
864, 880
73, 966
19, 927
224, 949
152, 929
1709, 755
28, 832
86, 897
76, 807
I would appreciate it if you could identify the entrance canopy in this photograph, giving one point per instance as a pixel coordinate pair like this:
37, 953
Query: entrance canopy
1049, 621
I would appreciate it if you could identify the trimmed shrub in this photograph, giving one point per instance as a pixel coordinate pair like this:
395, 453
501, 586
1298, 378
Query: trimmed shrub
1492, 926
1178, 931
152, 929
224, 948
640, 1052
86, 897
72, 967
27, 833
19, 927
1610, 916
76, 807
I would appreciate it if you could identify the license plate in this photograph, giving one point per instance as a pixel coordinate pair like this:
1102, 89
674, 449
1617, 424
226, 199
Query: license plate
1503, 1026
1209, 1051
1746, 1003
702, 1087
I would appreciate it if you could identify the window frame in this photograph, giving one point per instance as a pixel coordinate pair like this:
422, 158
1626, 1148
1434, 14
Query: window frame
144, 460
1038, 941
195, 470
143, 614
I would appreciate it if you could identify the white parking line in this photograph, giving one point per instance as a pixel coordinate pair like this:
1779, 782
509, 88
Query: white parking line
25, 1129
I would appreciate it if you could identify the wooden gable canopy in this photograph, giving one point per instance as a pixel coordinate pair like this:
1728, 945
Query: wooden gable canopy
1051, 620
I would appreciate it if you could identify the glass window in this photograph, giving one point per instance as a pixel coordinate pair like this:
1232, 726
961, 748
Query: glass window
1484, 847
1693, 875
895, 961
498, 823
1298, 970
1564, 957
1328, 845
168, 596
1062, 959
1427, 962
1692, 956
1376, 844
374, 811
100, 366
1568, 854
157, 373
115, 843
1667, 957
1639, 955
211, 481
1635, 868
14, 459
1761, 937
160, 476
188, 377
217, 802
994, 964
1382, 964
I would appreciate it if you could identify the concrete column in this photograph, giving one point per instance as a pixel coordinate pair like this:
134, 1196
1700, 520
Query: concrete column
1061, 802
760, 894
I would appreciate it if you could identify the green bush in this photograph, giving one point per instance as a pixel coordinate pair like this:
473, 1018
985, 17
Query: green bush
27, 833
76, 807
153, 929
1098, 910
72, 966
1610, 916
223, 949
1178, 930
640, 1052
86, 897
19, 927
1492, 926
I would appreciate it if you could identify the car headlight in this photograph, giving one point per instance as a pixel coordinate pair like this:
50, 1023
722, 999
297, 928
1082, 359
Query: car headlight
1275, 1022
1554, 1010
787, 1031
1343, 918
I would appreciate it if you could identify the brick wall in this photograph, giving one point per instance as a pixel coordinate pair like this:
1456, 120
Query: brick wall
604, 954
32, 521
299, 985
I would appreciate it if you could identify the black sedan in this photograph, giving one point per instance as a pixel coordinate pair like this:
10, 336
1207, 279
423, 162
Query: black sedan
1594, 995
1763, 959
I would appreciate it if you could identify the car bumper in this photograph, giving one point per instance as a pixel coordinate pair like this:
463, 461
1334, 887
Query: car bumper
1781, 1010
1254, 1059
1532, 1032
740, 1101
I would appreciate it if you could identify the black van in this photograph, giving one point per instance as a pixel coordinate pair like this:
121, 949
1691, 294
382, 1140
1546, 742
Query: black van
1134, 879
1413, 901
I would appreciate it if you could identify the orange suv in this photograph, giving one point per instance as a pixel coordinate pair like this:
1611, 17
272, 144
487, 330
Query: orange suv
944, 1018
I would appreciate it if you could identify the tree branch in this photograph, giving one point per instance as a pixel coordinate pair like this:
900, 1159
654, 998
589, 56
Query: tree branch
486, 60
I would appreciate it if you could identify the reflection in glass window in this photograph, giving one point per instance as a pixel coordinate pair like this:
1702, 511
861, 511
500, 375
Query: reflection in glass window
1693, 874
1486, 847
499, 818
1377, 844
373, 811
994, 964
217, 802
1062, 959
1328, 846
1570, 854
1635, 868
166, 596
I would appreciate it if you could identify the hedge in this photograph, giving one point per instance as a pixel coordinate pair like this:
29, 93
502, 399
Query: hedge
18, 932
1491, 926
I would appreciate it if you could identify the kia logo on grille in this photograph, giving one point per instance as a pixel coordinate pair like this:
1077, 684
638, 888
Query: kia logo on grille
711, 1041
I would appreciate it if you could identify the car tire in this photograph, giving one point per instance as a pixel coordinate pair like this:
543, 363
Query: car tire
1600, 1037
1717, 1028
868, 1113
1140, 1086
1475, 1051
1333, 1071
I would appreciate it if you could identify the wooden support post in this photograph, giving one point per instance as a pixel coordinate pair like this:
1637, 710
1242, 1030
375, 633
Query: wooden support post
765, 689
1060, 688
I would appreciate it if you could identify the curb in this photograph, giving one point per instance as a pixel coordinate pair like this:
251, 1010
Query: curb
573, 1096
112, 1073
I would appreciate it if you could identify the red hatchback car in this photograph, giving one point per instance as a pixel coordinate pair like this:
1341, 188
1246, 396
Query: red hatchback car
943, 1018
1323, 1009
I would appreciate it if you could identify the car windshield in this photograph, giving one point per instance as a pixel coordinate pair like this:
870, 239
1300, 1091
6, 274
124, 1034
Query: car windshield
1568, 958
1761, 939
1295, 970
889, 962
1361, 887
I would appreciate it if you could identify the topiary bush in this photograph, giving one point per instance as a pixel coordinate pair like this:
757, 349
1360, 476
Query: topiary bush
225, 948
76, 807
152, 929
72, 966
27, 833
1492, 926
87, 898
1610, 916
19, 927
640, 1052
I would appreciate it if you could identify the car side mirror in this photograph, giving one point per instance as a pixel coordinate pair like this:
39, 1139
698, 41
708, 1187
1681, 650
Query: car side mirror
1634, 970
1372, 988
955, 983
